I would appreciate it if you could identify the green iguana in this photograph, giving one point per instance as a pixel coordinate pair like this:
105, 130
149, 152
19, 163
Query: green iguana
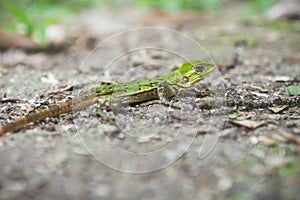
160, 88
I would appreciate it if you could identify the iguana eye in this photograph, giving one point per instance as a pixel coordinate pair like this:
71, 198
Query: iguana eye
185, 79
199, 68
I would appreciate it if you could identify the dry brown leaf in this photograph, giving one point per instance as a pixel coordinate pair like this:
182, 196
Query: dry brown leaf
248, 123
277, 109
244, 115
298, 149
267, 141
290, 136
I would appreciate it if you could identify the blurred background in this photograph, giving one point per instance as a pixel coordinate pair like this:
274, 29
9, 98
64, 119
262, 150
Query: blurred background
47, 21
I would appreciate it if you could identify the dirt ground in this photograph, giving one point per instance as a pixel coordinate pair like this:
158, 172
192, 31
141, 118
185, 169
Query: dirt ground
256, 130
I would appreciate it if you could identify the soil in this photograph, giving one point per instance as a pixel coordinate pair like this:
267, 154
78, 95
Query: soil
246, 128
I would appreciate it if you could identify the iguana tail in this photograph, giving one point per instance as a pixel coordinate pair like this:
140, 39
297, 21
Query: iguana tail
52, 111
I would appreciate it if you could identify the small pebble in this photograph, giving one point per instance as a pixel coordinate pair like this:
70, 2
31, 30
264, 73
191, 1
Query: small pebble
143, 139
253, 140
39, 139
227, 132
121, 136
101, 190
107, 128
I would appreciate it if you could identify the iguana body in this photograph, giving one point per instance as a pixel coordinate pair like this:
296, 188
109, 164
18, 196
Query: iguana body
134, 92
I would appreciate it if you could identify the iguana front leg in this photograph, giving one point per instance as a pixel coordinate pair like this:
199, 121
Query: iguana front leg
165, 93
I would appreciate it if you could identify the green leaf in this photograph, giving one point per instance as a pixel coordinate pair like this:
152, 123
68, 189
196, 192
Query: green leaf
18, 13
293, 90
21, 16
232, 116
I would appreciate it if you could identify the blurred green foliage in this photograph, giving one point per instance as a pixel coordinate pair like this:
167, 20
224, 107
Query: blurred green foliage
171, 5
256, 8
291, 169
31, 17
253, 7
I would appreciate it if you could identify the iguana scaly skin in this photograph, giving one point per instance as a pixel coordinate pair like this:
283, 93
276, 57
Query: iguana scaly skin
163, 88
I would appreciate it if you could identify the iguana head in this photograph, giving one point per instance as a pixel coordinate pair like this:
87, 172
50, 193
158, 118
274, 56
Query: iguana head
194, 71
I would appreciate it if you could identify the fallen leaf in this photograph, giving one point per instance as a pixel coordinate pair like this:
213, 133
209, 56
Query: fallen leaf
248, 123
278, 109
291, 137
267, 141
298, 149
232, 116
244, 115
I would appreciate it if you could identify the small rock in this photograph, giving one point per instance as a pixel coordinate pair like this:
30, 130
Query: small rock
277, 109
176, 125
15, 185
49, 78
109, 129
102, 190
277, 161
68, 127
281, 78
55, 160
84, 113
284, 9
143, 139
121, 136
253, 140
224, 181
39, 139
55, 34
